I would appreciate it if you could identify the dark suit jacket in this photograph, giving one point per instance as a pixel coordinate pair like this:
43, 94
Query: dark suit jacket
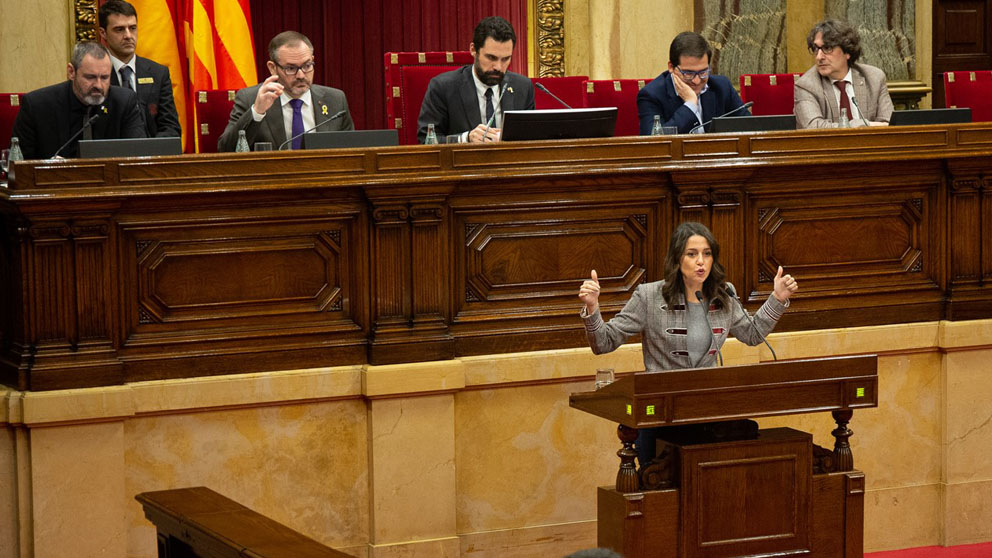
271, 128
155, 98
659, 97
452, 103
45, 120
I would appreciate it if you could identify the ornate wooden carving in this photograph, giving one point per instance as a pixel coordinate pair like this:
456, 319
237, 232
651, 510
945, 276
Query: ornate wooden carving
121, 269
550, 19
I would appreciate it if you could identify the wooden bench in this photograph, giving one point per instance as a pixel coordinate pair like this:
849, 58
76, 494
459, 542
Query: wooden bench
200, 523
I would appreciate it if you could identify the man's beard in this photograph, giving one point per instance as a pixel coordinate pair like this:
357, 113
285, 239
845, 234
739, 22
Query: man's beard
490, 78
94, 99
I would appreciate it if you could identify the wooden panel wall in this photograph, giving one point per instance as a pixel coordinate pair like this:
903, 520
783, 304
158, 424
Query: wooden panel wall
122, 270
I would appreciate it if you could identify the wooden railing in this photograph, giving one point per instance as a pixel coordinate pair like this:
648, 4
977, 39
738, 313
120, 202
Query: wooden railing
198, 522
134, 269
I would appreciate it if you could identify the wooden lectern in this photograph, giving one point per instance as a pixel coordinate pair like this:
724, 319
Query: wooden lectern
713, 495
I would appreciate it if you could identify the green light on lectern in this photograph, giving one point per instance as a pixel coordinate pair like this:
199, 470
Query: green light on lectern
861, 392
630, 410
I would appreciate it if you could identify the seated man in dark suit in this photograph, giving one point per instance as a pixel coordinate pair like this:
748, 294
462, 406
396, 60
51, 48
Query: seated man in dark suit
287, 104
687, 95
52, 116
470, 100
119, 31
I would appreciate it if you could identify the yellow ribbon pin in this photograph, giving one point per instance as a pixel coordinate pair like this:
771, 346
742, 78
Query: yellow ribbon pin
323, 110
510, 89
104, 110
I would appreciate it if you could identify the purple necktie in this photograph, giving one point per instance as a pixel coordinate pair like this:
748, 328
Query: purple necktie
297, 122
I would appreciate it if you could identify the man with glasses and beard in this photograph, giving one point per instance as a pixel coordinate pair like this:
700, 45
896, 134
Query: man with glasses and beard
470, 100
49, 117
837, 80
287, 104
687, 95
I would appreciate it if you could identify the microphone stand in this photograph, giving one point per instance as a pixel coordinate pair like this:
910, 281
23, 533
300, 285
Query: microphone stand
541, 86
89, 122
746, 105
335, 116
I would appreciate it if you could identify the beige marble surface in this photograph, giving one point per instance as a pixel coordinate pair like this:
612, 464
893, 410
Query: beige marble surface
969, 416
35, 42
526, 458
78, 491
903, 517
966, 506
543, 540
412, 470
304, 465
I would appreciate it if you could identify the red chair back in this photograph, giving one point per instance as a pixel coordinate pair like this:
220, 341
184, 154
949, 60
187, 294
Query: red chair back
964, 89
213, 110
771, 93
620, 93
407, 77
10, 103
568, 89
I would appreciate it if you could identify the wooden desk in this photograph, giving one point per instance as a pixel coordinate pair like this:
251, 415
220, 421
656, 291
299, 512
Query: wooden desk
136, 269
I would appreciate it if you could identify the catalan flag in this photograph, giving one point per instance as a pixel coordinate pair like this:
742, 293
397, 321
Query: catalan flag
161, 41
219, 45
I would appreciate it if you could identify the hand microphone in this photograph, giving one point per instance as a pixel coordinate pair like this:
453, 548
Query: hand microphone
89, 122
861, 114
541, 86
492, 119
336, 115
745, 106
750, 319
706, 314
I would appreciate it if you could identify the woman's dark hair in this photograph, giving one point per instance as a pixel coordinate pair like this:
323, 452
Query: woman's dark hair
714, 288
836, 33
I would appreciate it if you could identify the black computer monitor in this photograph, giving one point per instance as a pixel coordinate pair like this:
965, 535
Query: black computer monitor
559, 123
350, 138
130, 147
763, 123
932, 116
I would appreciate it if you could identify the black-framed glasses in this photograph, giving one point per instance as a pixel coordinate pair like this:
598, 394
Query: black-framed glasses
827, 49
691, 75
292, 70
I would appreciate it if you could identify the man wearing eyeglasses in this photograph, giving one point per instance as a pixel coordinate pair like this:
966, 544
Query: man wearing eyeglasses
838, 81
687, 95
287, 103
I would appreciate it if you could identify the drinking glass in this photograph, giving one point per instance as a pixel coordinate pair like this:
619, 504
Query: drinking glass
4, 157
604, 377
263, 146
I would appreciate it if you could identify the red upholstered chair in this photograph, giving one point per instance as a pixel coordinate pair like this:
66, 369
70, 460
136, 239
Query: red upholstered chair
568, 89
620, 93
10, 103
771, 93
972, 90
407, 76
213, 110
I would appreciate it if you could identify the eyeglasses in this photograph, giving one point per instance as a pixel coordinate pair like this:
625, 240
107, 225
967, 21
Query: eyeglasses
827, 49
691, 75
292, 70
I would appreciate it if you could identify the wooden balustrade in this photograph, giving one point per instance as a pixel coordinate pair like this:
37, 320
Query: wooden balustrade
120, 270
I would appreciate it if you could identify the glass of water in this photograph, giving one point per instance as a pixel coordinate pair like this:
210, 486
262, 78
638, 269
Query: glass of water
604, 377
4, 157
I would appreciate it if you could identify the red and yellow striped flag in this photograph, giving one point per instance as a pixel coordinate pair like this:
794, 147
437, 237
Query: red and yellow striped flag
219, 45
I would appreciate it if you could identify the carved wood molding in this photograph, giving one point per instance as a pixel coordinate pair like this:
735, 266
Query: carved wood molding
84, 20
550, 47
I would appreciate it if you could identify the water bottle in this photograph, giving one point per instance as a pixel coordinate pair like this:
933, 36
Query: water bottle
656, 127
844, 122
431, 138
242, 146
14, 156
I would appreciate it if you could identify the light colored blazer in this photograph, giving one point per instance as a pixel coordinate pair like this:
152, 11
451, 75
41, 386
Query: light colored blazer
664, 331
815, 105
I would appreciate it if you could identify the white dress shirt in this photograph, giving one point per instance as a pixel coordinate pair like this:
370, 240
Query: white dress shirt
134, 71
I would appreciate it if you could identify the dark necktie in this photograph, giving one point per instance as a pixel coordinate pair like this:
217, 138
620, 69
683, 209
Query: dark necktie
297, 131
87, 130
126, 77
845, 102
490, 110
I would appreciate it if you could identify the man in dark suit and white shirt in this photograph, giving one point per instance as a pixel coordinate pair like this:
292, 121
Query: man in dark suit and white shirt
287, 103
470, 100
119, 31
688, 94
57, 116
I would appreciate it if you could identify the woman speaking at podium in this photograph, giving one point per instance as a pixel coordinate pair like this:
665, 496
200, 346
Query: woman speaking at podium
684, 319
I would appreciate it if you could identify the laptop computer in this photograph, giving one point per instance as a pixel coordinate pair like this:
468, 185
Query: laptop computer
932, 116
130, 147
350, 138
755, 123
